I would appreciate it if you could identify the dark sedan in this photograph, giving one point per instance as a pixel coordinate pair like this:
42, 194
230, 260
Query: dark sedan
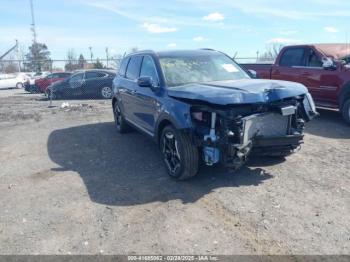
87, 83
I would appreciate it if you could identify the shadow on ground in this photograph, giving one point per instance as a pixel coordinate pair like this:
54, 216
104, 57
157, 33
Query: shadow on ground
329, 124
128, 169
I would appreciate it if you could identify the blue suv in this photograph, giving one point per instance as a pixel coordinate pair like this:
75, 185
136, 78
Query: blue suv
200, 105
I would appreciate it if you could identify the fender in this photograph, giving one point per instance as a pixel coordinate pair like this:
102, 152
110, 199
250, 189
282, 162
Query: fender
176, 113
344, 94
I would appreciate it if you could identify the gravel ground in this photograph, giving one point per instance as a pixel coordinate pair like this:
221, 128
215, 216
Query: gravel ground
69, 184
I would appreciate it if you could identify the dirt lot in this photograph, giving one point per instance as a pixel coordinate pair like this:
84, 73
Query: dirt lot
69, 184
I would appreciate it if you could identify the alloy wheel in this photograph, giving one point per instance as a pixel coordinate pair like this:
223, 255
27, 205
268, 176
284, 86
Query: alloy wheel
171, 153
117, 116
106, 92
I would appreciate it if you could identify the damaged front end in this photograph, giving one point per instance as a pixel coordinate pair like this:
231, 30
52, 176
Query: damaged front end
229, 134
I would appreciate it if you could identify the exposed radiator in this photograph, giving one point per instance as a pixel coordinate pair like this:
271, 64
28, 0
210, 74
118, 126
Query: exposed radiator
265, 125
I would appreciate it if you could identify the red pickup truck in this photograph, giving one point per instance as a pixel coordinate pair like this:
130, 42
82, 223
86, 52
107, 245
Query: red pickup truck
323, 68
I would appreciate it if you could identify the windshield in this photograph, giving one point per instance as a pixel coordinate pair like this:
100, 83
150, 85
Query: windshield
181, 70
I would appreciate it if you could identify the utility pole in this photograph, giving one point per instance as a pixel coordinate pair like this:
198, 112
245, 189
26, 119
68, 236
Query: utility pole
91, 55
107, 55
33, 29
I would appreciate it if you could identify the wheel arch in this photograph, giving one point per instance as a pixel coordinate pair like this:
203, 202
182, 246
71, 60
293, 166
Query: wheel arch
162, 123
344, 94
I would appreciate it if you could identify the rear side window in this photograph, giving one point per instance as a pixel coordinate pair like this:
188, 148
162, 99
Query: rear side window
62, 75
293, 57
90, 75
123, 66
133, 69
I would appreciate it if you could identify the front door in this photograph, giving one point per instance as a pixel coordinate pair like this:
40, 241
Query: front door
146, 102
75, 85
322, 83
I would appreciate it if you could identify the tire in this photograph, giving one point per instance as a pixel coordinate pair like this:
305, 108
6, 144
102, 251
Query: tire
119, 121
346, 111
19, 85
106, 92
180, 155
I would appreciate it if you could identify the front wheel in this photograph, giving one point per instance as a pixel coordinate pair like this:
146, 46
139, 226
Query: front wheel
19, 85
180, 155
346, 111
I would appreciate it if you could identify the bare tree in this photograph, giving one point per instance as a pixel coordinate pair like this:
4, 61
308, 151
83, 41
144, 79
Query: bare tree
271, 53
72, 63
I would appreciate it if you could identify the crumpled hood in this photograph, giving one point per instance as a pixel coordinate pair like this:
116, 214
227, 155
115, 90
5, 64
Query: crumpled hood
245, 91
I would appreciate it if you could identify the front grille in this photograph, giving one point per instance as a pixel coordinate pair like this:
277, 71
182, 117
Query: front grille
264, 125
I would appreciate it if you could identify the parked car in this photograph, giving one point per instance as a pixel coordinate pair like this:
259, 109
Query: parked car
86, 83
201, 104
323, 68
30, 86
43, 83
15, 80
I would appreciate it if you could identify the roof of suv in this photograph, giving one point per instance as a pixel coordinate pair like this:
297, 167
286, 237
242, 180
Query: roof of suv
175, 53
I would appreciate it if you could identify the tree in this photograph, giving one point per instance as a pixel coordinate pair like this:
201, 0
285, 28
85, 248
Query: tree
98, 64
72, 63
271, 53
81, 61
38, 58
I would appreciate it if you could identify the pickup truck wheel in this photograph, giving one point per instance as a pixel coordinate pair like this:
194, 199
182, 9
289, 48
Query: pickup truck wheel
180, 155
119, 120
346, 111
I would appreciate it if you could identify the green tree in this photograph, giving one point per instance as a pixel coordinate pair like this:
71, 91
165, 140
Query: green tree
81, 61
98, 64
38, 58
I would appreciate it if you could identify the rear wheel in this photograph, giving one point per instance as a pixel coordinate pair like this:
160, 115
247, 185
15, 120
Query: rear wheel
119, 120
346, 111
106, 92
19, 85
180, 155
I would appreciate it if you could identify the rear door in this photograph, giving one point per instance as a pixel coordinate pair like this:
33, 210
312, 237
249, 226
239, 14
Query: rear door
94, 81
129, 88
290, 65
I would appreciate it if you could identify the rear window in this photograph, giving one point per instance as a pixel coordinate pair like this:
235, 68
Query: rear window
133, 69
123, 66
293, 57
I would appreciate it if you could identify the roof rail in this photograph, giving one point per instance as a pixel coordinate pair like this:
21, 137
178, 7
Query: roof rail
209, 49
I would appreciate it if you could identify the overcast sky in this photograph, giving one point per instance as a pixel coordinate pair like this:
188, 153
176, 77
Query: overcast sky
231, 26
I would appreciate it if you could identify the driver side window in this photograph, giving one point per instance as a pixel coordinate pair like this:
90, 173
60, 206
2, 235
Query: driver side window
148, 68
76, 80
313, 60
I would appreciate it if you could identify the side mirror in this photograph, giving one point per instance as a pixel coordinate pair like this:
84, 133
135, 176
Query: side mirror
328, 64
145, 81
252, 73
